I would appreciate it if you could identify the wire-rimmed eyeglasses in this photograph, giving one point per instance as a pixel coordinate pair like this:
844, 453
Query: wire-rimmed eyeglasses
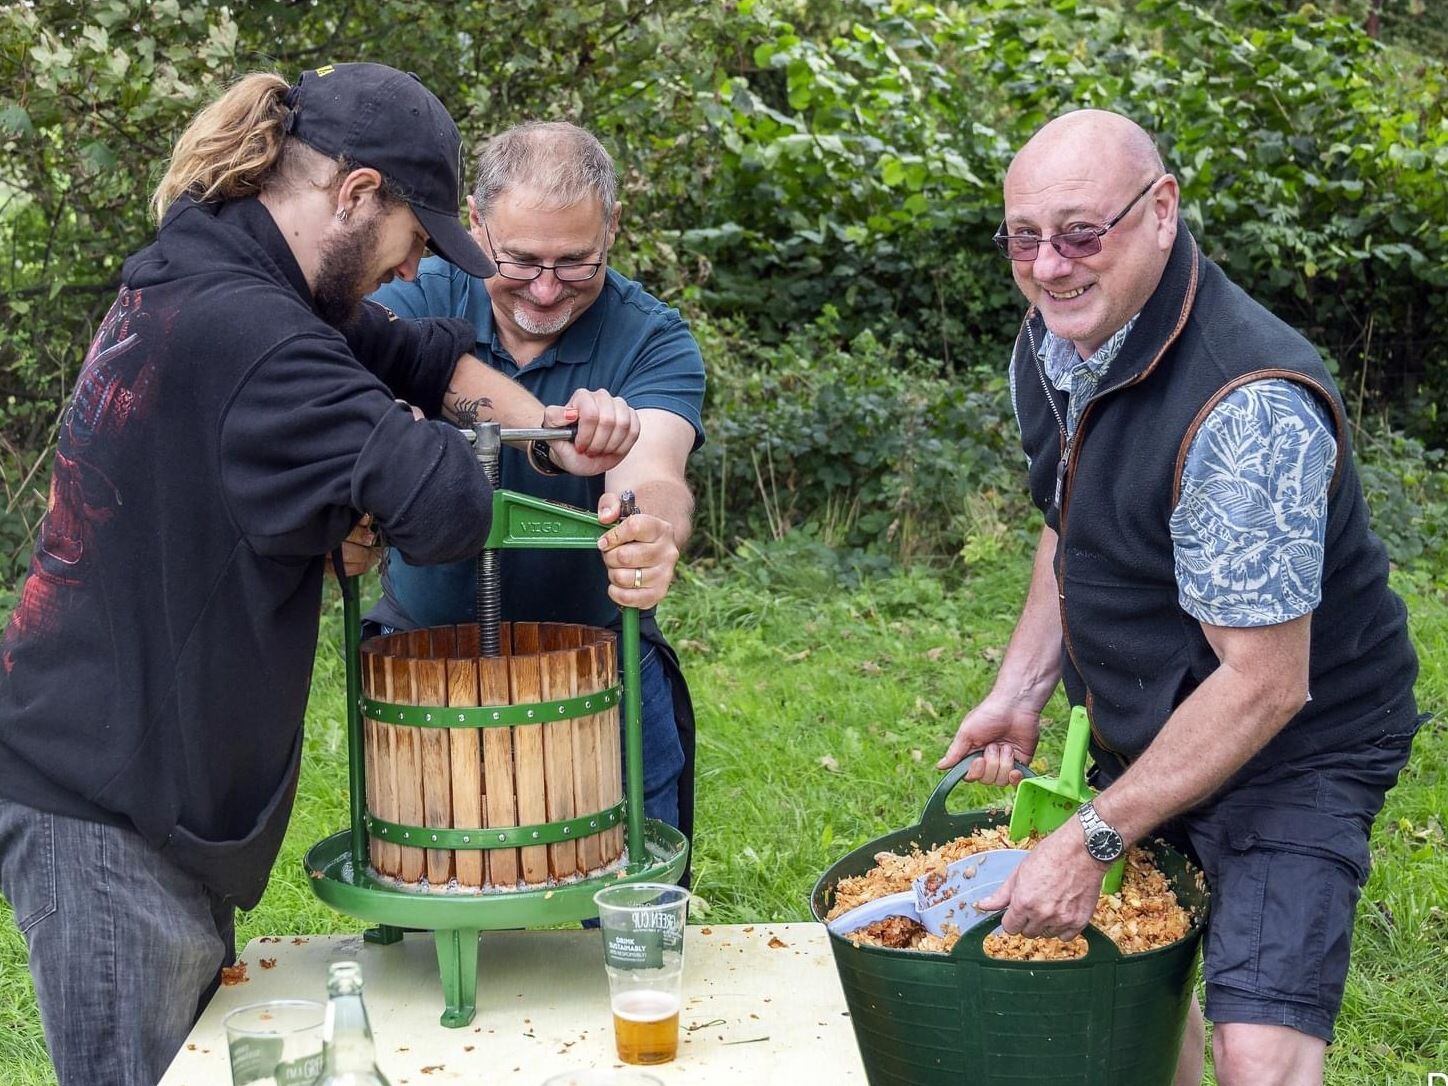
566, 272
1072, 244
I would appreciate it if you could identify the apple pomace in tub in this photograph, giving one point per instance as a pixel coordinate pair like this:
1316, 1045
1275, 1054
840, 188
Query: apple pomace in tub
1144, 915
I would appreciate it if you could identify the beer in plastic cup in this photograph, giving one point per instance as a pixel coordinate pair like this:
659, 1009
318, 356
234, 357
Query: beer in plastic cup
646, 1025
643, 952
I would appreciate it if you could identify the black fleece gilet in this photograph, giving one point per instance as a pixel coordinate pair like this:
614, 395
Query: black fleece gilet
1131, 654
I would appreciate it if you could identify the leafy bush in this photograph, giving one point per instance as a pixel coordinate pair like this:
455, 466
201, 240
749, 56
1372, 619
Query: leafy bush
864, 169
1407, 490
859, 440
859, 454
1317, 191
813, 181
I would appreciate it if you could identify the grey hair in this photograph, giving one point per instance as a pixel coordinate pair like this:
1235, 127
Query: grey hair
562, 163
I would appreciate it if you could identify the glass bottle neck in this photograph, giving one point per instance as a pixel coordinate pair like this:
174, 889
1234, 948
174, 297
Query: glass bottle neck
348, 1038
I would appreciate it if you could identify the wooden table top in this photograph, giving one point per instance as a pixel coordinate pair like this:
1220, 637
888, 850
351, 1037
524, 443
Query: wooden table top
761, 1005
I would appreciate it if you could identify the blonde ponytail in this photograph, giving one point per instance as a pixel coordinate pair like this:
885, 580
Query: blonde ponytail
231, 147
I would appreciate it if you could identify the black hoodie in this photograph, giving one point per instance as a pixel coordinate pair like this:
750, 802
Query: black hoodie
221, 441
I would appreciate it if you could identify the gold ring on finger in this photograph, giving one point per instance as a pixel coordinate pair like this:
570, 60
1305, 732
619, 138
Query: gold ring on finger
638, 578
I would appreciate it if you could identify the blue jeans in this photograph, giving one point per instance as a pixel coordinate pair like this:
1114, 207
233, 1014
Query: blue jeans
663, 753
125, 948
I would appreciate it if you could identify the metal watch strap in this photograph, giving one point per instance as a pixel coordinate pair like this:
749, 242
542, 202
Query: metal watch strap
1091, 824
1090, 820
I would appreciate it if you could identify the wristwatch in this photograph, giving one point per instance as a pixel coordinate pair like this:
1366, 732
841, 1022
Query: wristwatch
1102, 842
542, 460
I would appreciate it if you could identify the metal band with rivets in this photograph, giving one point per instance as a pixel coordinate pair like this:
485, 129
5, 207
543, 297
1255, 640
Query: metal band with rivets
544, 833
490, 716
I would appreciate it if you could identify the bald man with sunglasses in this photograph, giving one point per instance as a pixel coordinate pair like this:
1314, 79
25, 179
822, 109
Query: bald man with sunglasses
1206, 584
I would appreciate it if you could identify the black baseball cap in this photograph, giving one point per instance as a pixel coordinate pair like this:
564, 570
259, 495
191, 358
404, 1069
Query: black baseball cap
376, 116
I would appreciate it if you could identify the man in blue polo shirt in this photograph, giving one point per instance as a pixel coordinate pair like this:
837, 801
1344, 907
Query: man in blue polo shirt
557, 319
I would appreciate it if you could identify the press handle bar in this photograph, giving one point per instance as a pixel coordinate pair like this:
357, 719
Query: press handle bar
523, 435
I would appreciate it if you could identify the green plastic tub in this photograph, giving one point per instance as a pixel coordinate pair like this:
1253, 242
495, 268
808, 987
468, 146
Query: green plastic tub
969, 1020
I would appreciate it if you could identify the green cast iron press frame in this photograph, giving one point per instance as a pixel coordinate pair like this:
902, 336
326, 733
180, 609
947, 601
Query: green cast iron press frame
338, 866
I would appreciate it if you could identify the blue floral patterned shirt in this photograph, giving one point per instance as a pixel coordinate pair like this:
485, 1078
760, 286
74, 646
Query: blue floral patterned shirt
1248, 529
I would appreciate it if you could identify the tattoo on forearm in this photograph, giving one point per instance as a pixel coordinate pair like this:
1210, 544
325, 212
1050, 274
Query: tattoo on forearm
469, 413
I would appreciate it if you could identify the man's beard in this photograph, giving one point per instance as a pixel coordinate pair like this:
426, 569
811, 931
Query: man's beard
544, 328
344, 275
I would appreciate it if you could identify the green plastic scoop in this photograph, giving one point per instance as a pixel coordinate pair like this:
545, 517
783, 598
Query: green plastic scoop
1044, 804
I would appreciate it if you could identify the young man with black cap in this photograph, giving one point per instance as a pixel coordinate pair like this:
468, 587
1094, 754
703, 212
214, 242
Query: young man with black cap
236, 414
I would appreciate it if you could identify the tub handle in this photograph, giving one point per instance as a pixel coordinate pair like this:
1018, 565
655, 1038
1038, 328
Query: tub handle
971, 945
935, 809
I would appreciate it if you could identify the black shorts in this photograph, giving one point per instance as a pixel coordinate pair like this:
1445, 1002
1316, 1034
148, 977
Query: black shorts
1286, 857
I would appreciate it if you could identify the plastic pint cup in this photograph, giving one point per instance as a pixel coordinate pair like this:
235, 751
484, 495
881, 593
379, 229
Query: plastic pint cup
643, 952
275, 1044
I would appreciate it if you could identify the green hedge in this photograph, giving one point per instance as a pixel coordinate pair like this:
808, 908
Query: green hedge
814, 183
860, 446
857, 440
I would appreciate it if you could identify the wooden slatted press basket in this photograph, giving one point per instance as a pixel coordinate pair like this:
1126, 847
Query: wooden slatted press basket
492, 773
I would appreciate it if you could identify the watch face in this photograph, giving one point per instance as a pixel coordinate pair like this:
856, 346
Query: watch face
1104, 844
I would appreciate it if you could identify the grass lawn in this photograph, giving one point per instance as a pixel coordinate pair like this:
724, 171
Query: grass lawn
824, 696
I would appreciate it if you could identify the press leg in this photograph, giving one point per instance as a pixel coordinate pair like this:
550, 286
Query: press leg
457, 961
382, 935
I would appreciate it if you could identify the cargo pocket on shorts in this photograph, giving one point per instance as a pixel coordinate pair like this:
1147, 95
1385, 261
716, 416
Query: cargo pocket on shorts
1283, 908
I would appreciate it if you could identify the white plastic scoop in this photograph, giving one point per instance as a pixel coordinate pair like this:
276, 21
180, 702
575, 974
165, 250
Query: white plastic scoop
951, 900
